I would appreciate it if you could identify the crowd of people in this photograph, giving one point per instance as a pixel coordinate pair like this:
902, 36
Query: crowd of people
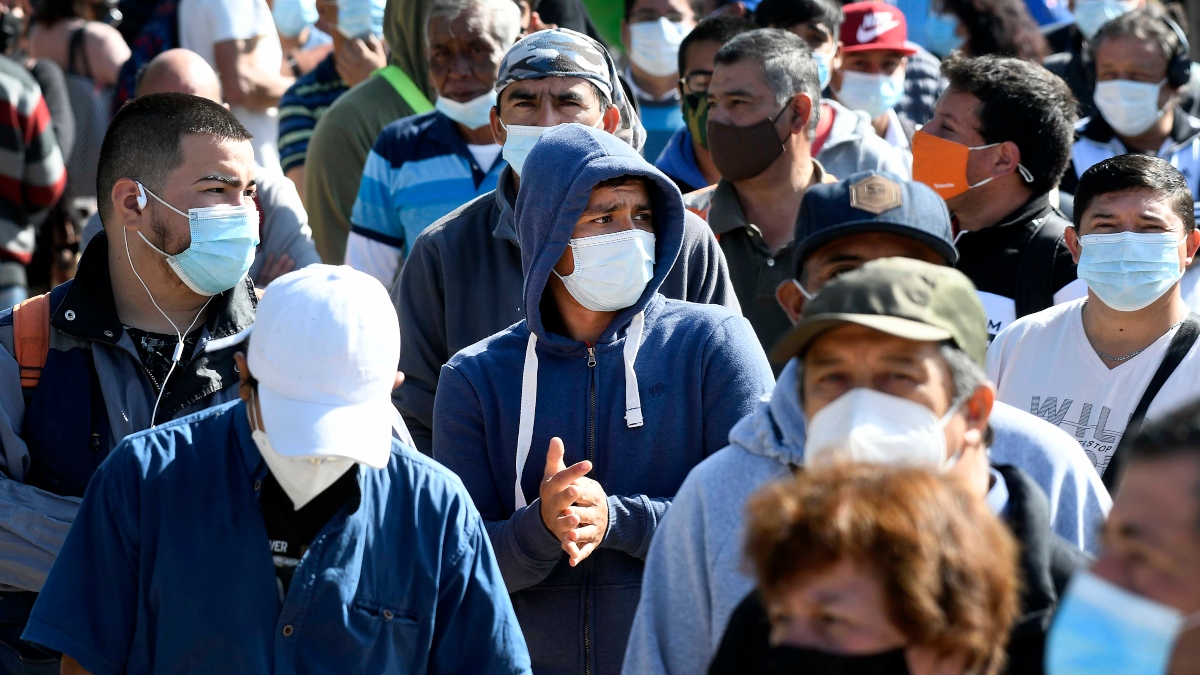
547, 337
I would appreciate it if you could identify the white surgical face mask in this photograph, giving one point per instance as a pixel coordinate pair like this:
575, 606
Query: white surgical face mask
611, 270
1129, 107
864, 425
1090, 15
1128, 271
654, 45
1103, 628
519, 140
302, 478
473, 114
872, 93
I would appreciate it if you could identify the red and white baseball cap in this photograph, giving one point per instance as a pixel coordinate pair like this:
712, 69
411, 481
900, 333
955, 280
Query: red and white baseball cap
875, 26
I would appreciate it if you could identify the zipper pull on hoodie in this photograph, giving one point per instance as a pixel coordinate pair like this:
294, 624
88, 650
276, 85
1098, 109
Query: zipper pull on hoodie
591, 357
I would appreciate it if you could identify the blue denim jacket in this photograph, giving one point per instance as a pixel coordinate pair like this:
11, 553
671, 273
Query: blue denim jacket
168, 570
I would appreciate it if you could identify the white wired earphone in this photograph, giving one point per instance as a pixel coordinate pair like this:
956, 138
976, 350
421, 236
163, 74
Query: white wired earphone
142, 202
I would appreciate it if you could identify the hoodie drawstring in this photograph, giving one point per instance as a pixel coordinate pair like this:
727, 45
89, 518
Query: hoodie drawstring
633, 399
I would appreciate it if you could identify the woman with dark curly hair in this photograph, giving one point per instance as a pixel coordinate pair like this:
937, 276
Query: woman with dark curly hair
997, 27
868, 568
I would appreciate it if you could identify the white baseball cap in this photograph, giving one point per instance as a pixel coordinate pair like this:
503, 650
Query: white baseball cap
325, 346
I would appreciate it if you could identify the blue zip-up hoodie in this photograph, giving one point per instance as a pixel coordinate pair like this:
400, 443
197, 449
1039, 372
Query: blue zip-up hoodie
698, 370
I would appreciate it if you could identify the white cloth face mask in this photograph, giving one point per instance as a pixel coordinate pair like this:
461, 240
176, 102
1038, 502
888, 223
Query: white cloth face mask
864, 425
654, 45
474, 114
302, 478
1129, 107
611, 270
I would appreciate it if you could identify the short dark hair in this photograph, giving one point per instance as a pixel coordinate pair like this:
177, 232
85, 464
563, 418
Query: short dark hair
1176, 435
1023, 103
786, 62
1141, 24
719, 29
144, 141
50, 12
787, 13
1131, 172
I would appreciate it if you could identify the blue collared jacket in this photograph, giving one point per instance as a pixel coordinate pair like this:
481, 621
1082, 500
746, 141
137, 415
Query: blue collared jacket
168, 569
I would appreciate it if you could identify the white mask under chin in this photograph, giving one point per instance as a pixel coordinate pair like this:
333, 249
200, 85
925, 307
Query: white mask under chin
302, 478
864, 425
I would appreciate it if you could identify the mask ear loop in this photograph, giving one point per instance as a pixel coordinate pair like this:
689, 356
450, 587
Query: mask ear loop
954, 409
803, 290
178, 345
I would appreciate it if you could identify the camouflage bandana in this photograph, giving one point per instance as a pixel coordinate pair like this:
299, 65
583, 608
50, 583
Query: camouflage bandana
559, 52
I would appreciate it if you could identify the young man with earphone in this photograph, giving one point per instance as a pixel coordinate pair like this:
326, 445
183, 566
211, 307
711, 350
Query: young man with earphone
145, 332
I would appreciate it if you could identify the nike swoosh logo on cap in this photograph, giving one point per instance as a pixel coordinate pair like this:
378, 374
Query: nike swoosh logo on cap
866, 34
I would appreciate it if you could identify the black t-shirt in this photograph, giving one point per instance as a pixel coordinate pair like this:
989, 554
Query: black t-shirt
156, 350
291, 531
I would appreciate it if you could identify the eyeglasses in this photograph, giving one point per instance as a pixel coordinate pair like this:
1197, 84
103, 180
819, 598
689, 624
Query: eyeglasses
696, 82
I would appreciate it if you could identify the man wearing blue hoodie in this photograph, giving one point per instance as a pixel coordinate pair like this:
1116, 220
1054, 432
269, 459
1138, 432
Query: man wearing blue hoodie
550, 77
599, 234
694, 576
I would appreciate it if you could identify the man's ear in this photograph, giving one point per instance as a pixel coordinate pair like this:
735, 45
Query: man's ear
244, 380
1193, 242
126, 211
612, 119
1071, 239
498, 131
977, 410
836, 62
802, 106
1006, 161
791, 300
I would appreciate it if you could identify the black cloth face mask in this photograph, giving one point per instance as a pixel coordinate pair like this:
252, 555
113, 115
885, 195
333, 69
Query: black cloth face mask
744, 152
803, 661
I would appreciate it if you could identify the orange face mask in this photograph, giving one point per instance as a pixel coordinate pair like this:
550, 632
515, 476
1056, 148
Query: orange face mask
942, 164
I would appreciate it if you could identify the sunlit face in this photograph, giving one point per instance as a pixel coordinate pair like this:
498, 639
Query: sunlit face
611, 209
1133, 211
464, 55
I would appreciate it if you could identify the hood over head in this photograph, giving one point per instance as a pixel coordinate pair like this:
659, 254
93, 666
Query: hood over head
559, 52
404, 32
563, 167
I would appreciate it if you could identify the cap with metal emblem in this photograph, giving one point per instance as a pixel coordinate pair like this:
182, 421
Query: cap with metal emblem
872, 201
907, 298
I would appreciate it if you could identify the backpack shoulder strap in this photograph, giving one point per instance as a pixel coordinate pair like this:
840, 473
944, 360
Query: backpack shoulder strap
408, 90
1182, 343
31, 338
1035, 276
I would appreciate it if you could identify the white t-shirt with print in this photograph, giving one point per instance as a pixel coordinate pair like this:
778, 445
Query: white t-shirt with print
1044, 364
204, 23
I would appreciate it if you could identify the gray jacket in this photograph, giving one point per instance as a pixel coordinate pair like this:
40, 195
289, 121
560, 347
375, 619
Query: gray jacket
695, 574
854, 146
462, 282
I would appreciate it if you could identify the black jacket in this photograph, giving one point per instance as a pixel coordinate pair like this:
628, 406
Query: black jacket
1022, 261
1046, 563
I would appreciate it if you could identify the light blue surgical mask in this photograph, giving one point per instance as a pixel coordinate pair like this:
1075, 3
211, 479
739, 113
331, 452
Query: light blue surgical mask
1128, 271
222, 248
1102, 629
941, 33
1090, 15
517, 144
824, 75
474, 114
872, 93
359, 18
293, 16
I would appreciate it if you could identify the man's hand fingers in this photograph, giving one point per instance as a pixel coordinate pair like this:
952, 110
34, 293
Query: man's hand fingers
554, 458
585, 534
566, 522
559, 481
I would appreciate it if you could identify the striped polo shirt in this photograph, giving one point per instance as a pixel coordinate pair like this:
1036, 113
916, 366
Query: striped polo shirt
301, 106
419, 170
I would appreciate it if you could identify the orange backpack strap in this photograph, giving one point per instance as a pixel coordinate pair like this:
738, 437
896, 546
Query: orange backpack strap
31, 338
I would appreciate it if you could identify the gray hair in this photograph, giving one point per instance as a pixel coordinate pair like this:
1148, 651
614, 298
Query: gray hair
786, 61
506, 16
966, 374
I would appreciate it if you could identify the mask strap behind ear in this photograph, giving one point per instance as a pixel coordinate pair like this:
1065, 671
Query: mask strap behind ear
160, 199
803, 290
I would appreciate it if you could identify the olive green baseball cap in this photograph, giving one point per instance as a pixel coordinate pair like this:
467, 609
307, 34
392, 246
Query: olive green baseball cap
899, 296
